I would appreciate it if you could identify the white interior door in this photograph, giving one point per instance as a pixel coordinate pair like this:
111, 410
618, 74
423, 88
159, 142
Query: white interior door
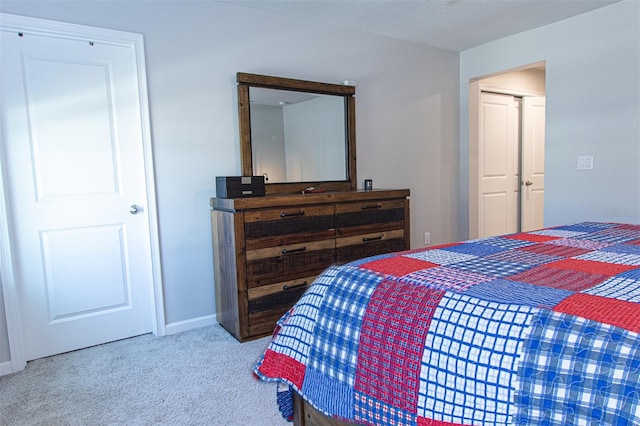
532, 193
75, 165
498, 165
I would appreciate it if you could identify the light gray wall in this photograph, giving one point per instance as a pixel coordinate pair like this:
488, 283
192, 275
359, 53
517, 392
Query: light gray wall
593, 108
406, 113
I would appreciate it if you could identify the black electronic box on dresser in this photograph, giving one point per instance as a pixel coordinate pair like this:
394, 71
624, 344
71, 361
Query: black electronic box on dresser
268, 250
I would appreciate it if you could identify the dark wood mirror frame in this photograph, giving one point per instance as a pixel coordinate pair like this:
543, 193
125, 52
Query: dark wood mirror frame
245, 81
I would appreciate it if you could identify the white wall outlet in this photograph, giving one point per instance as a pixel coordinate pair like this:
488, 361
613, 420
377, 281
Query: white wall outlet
427, 238
585, 162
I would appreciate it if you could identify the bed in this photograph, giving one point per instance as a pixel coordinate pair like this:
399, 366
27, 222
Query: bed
534, 328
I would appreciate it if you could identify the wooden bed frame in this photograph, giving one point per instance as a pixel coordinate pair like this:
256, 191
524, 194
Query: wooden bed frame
305, 415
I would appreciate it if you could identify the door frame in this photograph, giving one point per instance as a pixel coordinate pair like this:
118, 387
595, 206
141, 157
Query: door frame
476, 87
133, 41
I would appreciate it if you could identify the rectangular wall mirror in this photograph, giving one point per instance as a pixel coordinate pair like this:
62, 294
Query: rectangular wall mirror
297, 133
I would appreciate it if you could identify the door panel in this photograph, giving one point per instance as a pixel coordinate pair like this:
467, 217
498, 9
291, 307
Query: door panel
533, 142
90, 255
498, 152
74, 153
54, 110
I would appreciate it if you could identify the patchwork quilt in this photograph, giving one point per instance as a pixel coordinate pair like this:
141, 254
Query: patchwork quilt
535, 328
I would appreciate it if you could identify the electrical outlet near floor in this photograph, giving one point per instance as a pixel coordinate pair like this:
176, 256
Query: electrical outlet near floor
427, 238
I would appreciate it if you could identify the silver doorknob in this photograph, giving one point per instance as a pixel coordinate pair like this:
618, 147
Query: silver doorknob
135, 209
528, 183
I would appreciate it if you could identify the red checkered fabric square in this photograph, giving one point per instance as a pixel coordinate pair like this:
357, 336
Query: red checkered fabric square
555, 250
277, 364
590, 266
397, 266
629, 227
392, 339
559, 278
535, 238
619, 313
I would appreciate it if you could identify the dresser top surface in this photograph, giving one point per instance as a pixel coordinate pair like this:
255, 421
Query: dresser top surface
234, 204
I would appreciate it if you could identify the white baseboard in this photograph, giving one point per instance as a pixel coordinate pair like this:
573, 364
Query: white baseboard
5, 368
180, 326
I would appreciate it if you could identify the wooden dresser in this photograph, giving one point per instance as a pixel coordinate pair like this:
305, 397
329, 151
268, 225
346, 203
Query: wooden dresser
267, 250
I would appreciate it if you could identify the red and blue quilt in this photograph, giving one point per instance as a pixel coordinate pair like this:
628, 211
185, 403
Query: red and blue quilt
534, 328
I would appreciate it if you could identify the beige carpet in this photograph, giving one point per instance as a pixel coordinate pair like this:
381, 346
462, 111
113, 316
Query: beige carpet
199, 377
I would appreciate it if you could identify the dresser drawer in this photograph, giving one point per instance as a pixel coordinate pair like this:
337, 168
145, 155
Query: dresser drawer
369, 228
366, 217
269, 302
365, 245
275, 264
289, 225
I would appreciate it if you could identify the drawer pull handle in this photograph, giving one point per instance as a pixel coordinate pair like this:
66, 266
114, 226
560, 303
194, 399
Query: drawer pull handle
366, 239
298, 250
298, 213
291, 287
375, 206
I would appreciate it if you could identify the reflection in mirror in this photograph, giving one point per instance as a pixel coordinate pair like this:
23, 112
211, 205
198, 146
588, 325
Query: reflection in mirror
298, 136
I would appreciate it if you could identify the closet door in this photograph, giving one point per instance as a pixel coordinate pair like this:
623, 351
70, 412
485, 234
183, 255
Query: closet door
77, 191
498, 165
533, 140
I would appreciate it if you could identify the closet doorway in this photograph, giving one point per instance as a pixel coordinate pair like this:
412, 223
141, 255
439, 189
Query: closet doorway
506, 152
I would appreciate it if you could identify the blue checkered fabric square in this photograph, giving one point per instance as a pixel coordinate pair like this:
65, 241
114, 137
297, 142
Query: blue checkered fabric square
470, 361
337, 333
607, 256
508, 243
476, 248
440, 257
492, 268
330, 395
523, 257
556, 232
623, 248
624, 286
625, 234
506, 291
579, 243
294, 339
586, 227
612, 235
576, 371
371, 411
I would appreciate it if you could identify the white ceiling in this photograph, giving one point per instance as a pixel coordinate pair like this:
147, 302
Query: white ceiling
448, 24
